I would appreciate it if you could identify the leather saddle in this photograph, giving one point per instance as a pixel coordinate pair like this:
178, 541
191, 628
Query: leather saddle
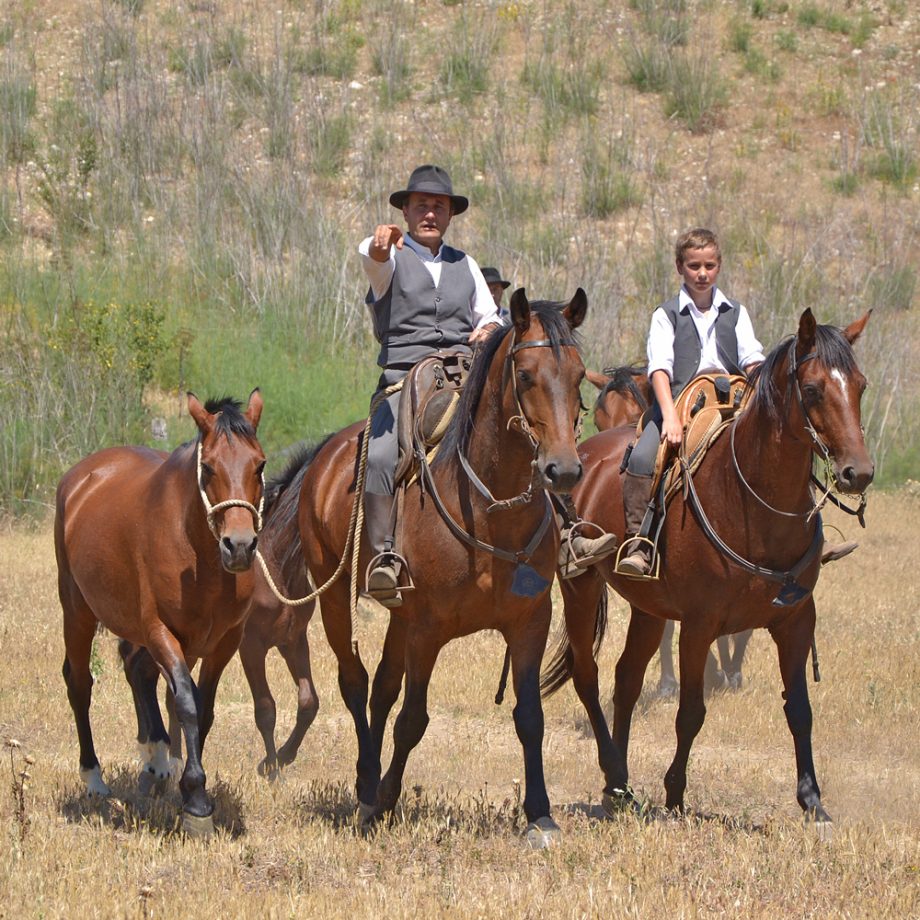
430, 394
705, 409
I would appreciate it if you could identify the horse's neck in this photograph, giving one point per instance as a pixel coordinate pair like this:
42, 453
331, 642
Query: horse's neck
774, 456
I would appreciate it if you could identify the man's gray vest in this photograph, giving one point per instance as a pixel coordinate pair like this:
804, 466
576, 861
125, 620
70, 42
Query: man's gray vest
688, 350
414, 318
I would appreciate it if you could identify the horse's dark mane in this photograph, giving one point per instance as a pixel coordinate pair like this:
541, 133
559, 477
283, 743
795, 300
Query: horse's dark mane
556, 329
622, 381
832, 349
230, 419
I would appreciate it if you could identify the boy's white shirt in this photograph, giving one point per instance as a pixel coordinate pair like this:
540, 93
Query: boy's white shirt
660, 345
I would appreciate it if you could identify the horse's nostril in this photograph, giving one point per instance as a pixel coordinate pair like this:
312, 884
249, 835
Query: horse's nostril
847, 474
550, 472
228, 544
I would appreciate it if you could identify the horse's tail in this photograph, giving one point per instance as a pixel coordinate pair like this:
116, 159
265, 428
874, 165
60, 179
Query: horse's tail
558, 672
281, 535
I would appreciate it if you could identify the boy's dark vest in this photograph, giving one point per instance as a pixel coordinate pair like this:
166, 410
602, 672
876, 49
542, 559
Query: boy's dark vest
414, 318
688, 350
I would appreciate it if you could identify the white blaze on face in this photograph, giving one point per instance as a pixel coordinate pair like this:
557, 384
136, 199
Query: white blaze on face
841, 381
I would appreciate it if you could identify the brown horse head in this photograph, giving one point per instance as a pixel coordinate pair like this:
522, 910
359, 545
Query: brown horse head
625, 393
231, 464
546, 385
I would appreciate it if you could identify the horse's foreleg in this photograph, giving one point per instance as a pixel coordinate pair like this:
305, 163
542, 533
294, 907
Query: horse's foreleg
421, 655
388, 678
582, 596
793, 642
526, 645
165, 650
643, 637
297, 657
691, 711
252, 657
79, 630
208, 678
740, 641
353, 684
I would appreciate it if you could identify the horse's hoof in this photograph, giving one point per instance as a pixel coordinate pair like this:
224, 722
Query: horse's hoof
367, 815
735, 681
542, 834
818, 820
196, 827
95, 787
148, 783
619, 802
668, 688
268, 769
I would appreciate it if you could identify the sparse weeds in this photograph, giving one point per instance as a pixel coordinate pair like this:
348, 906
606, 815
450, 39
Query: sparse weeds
889, 127
464, 73
20, 777
608, 175
695, 92
17, 108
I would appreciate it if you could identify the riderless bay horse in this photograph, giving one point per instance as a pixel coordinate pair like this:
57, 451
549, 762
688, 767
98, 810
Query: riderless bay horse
477, 530
625, 393
158, 548
747, 528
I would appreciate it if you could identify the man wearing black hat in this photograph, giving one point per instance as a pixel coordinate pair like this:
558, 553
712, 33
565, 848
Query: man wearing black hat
497, 286
425, 296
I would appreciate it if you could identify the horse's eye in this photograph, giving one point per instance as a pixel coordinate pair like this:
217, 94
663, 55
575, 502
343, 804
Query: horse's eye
206, 471
811, 393
524, 379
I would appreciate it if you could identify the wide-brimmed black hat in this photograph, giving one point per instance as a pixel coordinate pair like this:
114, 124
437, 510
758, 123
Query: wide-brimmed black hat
434, 181
494, 276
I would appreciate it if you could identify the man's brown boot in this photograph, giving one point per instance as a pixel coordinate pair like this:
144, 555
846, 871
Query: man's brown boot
383, 578
637, 558
577, 553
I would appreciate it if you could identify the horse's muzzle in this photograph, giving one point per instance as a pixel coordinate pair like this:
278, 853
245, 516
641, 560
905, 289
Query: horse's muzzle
562, 477
237, 552
854, 478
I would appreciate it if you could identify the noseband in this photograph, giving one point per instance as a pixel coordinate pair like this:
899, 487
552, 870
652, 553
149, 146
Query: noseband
213, 510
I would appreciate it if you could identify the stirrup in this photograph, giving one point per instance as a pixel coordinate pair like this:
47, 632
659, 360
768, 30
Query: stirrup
389, 557
654, 559
574, 565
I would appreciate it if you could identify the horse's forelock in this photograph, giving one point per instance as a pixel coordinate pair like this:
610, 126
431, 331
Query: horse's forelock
230, 417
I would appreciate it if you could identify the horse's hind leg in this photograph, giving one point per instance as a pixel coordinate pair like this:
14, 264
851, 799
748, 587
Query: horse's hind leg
79, 630
667, 682
153, 741
740, 641
793, 641
694, 649
297, 656
388, 678
252, 656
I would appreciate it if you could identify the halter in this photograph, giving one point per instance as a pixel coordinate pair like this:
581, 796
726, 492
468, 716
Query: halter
518, 422
213, 510
818, 446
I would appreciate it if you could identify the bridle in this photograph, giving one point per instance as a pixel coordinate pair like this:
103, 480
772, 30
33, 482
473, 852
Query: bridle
818, 446
213, 510
518, 422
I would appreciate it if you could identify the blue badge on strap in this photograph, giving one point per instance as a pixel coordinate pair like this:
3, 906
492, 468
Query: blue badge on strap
528, 582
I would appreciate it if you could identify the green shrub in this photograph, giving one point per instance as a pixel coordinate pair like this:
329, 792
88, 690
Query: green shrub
695, 92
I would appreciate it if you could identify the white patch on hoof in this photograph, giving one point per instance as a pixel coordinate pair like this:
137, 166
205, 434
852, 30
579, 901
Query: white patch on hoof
822, 827
542, 834
95, 787
197, 828
366, 814
155, 759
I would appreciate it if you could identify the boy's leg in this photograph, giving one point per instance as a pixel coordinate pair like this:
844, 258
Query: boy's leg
637, 485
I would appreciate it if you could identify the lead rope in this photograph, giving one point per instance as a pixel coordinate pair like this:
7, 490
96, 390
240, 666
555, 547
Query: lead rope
355, 525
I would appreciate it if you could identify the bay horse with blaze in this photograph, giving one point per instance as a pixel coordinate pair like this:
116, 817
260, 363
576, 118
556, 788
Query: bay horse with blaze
158, 548
513, 436
747, 525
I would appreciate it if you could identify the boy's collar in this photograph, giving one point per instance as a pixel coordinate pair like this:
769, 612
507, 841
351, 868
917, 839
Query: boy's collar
685, 301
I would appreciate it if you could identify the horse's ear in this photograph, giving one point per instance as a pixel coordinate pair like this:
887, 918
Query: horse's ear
599, 380
520, 310
254, 409
197, 411
576, 309
805, 340
854, 330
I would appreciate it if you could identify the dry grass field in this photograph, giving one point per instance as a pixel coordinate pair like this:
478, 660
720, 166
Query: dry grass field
455, 850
